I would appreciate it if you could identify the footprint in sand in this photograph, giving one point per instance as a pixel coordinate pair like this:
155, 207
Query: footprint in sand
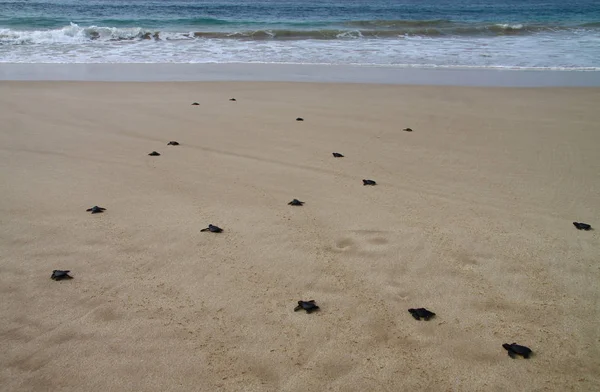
362, 242
343, 244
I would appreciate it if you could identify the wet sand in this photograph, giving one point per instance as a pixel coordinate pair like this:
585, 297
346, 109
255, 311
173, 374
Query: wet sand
314, 73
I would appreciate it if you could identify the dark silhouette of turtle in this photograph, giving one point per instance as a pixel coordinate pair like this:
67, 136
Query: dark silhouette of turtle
299, 119
195, 104
213, 229
172, 143
309, 306
582, 226
407, 130
516, 349
337, 155
232, 99
369, 182
60, 275
96, 210
296, 202
154, 154
421, 313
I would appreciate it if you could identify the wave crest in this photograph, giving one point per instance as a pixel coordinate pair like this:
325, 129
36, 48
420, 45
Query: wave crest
73, 33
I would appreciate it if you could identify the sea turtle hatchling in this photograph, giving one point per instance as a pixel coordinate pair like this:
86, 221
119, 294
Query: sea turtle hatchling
337, 155
296, 202
369, 182
172, 143
516, 349
96, 210
195, 104
60, 275
213, 229
582, 226
299, 119
421, 313
154, 154
309, 306
407, 130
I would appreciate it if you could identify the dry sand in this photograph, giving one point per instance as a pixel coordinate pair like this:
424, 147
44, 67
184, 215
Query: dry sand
471, 218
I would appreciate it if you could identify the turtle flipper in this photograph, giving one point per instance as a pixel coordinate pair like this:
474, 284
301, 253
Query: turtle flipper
511, 354
297, 308
414, 313
430, 315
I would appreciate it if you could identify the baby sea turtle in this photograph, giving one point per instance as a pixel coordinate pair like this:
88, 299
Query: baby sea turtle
60, 275
213, 229
309, 306
172, 143
582, 226
421, 313
96, 210
154, 154
407, 130
369, 182
296, 202
299, 119
337, 155
232, 99
195, 104
516, 349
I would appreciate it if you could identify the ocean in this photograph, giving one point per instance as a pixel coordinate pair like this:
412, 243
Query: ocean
511, 34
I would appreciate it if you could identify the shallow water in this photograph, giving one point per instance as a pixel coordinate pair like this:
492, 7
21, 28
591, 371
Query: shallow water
538, 34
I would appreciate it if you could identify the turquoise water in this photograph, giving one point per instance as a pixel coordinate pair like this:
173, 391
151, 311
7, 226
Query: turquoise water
546, 34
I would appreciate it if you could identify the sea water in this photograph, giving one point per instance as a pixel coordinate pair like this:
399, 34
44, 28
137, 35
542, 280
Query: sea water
515, 34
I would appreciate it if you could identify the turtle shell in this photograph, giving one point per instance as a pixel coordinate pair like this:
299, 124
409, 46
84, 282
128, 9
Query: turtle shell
309, 306
582, 226
514, 348
296, 202
96, 210
421, 313
60, 275
213, 229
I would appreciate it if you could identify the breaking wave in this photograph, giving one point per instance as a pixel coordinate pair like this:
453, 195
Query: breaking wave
73, 33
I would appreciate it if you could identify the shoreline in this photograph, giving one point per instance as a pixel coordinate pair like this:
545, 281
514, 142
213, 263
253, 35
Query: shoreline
249, 72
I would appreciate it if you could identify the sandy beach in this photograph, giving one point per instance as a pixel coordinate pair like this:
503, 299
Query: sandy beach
471, 218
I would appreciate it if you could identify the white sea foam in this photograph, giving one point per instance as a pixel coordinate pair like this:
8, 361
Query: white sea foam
509, 26
74, 34
578, 49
